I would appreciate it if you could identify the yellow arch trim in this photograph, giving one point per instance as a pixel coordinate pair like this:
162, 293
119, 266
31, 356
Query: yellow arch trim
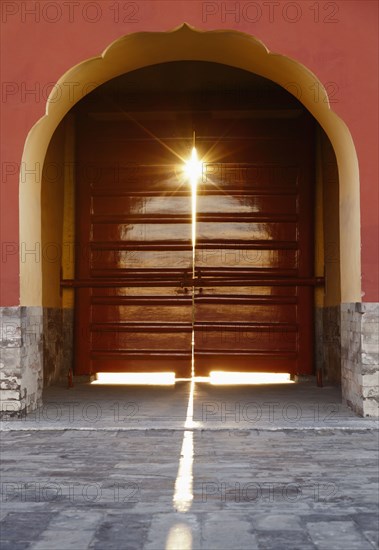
233, 48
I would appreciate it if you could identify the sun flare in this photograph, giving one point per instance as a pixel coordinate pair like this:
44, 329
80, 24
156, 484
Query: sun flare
193, 169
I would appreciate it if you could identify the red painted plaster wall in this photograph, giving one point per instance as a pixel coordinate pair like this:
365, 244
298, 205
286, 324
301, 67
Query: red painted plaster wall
40, 41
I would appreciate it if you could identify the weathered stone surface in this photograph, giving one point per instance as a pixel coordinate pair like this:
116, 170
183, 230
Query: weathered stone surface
369, 358
10, 327
9, 378
21, 358
228, 530
31, 338
282, 522
370, 379
344, 534
278, 540
26, 527
360, 357
70, 530
57, 344
11, 408
10, 359
62, 489
331, 344
370, 391
371, 407
9, 395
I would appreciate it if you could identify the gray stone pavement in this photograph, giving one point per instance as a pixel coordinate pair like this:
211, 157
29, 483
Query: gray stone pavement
304, 406
132, 468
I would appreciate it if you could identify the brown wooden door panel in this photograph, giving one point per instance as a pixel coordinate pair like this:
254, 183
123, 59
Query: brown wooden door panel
264, 313
263, 292
254, 223
128, 205
261, 151
124, 178
248, 204
247, 177
244, 338
141, 205
132, 340
117, 314
138, 292
252, 232
263, 233
134, 259
247, 258
168, 127
150, 233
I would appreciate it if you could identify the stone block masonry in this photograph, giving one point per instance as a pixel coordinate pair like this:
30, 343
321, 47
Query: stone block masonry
58, 344
21, 362
328, 343
360, 357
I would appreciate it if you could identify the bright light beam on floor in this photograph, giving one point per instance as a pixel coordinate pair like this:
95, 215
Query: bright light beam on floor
189, 423
231, 378
183, 495
136, 378
179, 537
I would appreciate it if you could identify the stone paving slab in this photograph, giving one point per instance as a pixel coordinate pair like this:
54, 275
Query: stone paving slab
344, 534
73, 529
114, 408
253, 489
227, 530
269, 468
174, 531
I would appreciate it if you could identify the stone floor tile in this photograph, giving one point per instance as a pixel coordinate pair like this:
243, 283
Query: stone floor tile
339, 535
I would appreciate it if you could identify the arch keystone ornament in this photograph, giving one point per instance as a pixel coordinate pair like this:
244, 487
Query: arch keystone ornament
185, 43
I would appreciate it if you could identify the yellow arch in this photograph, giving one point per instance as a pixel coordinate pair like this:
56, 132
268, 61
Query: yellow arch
233, 48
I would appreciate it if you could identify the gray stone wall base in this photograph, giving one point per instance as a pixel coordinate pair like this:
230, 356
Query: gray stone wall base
21, 372
360, 357
36, 351
58, 345
328, 343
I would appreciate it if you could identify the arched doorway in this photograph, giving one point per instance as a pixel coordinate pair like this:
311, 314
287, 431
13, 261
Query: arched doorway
244, 293
232, 49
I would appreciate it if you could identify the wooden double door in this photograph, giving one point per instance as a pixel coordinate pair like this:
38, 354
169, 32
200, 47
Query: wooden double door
144, 302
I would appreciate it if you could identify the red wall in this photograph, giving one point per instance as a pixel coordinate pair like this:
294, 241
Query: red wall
40, 41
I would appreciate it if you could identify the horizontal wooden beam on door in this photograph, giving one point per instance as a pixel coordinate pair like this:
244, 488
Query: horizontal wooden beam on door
225, 281
201, 244
187, 218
